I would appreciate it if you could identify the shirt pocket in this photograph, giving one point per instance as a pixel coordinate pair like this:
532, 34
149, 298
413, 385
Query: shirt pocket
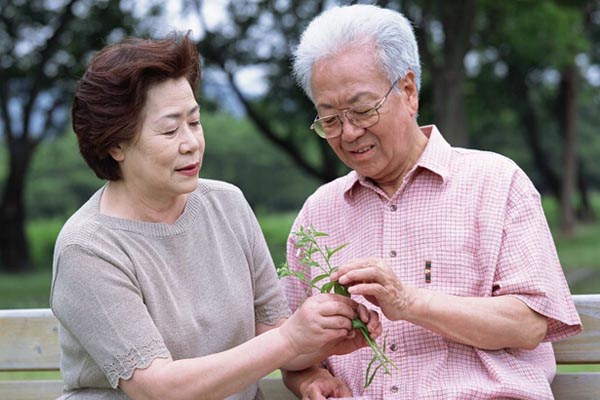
453, 272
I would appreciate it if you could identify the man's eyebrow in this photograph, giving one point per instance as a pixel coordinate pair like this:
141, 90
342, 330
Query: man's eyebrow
352, 100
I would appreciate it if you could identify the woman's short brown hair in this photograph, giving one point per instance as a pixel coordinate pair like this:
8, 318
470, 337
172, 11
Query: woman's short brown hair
110, 97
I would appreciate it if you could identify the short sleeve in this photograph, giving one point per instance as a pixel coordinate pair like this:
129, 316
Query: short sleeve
96, 299
528, 265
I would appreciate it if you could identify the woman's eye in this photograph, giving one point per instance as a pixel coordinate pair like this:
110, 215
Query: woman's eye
170, 133
195, 123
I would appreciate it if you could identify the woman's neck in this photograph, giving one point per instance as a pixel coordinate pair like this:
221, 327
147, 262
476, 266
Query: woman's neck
122, 201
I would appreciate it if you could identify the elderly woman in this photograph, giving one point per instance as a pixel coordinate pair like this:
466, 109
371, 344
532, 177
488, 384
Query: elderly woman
163, 284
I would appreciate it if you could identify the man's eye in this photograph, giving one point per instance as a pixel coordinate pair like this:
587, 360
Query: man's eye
362, 111
328, 121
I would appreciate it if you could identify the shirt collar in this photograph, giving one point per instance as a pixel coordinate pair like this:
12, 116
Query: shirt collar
436, 158
437, 155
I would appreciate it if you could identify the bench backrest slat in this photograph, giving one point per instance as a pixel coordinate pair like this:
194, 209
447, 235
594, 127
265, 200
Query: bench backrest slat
28, 340
585, 347
30, 390
576, 386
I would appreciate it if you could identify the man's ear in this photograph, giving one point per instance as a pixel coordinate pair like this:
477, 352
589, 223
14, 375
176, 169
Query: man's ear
408, 85
116, 152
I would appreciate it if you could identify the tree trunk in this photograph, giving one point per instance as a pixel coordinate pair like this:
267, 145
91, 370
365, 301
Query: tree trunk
531, 129
449, 106
14, 251
585, 210
448, 69
568, 106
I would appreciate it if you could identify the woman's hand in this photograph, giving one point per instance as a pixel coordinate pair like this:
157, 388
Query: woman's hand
321, 319
376, 282
355, 340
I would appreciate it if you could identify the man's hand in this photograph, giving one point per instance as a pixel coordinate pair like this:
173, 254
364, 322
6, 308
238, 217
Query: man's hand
376, 282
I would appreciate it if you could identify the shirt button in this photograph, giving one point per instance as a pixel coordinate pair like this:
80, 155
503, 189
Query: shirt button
393, 253
393, 347
393, 207
394, 389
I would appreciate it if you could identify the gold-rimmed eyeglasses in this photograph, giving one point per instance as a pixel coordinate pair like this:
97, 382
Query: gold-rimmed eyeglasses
362, 116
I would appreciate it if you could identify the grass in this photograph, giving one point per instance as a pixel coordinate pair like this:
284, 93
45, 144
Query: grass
31, 376
579, 254
26, 291
578, 368
276, 228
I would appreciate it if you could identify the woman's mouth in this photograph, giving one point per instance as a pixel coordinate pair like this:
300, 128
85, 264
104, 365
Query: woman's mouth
190, 169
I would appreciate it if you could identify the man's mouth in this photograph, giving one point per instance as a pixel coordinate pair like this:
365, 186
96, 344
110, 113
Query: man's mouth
362, 149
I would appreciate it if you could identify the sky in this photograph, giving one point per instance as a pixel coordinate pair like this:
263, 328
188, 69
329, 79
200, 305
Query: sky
249, 79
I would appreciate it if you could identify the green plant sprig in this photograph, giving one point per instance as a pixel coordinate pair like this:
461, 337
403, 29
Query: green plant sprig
309, 246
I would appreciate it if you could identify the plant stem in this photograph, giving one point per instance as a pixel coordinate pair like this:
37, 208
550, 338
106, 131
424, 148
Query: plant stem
308, 243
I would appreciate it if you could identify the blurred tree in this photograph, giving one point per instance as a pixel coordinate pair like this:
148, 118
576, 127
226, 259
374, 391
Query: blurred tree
445, 31
533, 70
261, 33
43, 49
264, 32
537, 63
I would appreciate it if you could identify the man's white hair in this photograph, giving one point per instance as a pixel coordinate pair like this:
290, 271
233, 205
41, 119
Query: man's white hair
396, 50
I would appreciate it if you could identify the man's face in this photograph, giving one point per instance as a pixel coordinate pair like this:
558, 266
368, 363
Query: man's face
383, 151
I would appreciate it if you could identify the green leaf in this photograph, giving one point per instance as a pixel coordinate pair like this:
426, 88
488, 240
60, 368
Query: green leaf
326, 288
338, 248
341, 290
319, 278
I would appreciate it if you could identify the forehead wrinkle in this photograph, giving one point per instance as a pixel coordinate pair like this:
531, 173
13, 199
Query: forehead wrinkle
353, 100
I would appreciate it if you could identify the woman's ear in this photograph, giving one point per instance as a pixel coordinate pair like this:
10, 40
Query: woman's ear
117, 153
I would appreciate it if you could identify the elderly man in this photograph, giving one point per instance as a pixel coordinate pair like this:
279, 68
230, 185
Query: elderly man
451, 244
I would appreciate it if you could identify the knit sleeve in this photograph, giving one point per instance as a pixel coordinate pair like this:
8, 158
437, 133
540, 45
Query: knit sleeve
96, 298
270, 304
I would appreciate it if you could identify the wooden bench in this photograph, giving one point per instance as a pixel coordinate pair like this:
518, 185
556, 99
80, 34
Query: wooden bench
29, 342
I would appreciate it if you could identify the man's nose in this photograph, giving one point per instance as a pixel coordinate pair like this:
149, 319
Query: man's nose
350, 132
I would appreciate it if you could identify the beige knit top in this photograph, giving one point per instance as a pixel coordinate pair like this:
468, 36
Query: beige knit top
126, 292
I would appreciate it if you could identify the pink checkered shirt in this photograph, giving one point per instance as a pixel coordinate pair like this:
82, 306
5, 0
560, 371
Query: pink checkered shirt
478, 218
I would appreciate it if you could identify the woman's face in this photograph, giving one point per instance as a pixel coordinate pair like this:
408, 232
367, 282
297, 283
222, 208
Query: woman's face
164, 159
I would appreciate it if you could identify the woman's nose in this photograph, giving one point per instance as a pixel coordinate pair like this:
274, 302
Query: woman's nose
190, 142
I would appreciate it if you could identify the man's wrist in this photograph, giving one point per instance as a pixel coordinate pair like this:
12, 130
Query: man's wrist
420, 305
